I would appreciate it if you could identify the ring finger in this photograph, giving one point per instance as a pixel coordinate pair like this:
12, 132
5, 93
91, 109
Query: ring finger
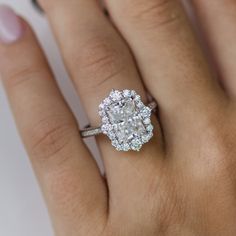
98, 61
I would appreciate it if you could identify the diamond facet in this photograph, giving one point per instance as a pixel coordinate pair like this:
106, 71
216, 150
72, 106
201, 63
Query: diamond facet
126, 120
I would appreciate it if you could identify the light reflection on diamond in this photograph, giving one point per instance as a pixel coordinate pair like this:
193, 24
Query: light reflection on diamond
126, 120
147, 121
149, 128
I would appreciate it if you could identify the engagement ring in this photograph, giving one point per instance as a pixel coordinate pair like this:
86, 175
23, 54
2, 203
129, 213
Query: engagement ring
125, 120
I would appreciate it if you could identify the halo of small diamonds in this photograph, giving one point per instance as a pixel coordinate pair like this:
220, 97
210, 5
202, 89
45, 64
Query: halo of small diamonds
126, 120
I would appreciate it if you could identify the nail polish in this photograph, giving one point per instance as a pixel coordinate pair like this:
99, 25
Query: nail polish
11, 28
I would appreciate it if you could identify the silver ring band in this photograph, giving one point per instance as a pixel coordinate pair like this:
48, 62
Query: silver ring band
89, 131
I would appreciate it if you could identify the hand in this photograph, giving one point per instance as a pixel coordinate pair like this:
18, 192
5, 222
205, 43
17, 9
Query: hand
183, 181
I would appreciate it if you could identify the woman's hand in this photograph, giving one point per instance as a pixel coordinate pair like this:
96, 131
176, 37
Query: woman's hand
183, 182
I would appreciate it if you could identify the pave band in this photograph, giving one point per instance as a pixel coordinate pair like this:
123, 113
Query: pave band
89, 131
125, 120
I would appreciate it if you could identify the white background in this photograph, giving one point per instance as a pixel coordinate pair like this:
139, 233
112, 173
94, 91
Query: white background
22, 209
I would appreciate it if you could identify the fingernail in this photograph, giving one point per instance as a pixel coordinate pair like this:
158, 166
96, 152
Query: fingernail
11, 28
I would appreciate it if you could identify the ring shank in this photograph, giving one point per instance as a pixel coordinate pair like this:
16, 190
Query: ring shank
93, 131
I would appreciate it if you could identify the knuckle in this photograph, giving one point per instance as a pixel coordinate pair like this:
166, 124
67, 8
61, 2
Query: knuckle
62, 188
166, 207
217, 142
63, 185
20, 77
172, 210
153, 14
99, 61
215, 136
69, 199
50, 136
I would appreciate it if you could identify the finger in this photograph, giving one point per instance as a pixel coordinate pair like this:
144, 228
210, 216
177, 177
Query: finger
99, 61
70, 180
169, 58
217, 21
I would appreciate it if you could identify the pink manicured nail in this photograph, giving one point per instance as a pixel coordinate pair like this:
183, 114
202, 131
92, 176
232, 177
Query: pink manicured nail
11, 28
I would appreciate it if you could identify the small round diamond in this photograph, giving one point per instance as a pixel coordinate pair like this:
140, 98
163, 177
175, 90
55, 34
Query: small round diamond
116, 95
116, 144
136, 144
140, 104
106, 102
105, 119
126, 147
147, 121
149, 128
119, 148
101, 106
111, 135
137, 97
146, 112
133, 93
101, 113
147, 137
106, 128
126, 93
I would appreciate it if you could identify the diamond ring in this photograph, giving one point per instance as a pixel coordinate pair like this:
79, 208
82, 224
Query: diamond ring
125, 120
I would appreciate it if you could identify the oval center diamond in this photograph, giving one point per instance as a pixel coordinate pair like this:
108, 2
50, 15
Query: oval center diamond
126, 120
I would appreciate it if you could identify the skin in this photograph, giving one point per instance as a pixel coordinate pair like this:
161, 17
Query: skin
183, 182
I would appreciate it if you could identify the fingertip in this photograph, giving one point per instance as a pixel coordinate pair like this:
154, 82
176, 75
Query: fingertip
12, 26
